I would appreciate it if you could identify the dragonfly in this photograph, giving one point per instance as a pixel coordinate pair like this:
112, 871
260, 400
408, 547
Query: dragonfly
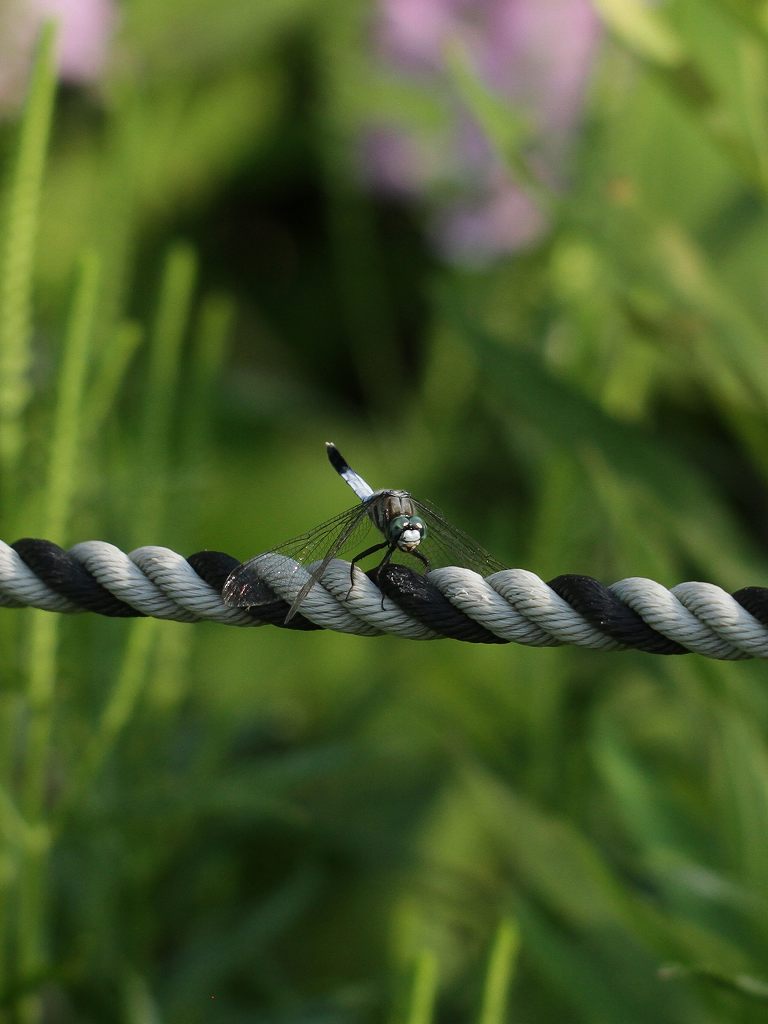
408, 526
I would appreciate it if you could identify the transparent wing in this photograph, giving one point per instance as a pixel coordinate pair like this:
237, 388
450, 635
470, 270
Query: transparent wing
351, 532
244, 587
446, 544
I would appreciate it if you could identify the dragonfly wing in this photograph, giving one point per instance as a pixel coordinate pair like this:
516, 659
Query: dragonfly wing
338, 545
245, 586
446, 544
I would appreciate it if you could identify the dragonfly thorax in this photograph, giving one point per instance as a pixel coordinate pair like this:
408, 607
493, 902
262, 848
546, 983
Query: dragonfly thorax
384, 506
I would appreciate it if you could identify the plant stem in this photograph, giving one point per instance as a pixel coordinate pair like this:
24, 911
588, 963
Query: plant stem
21, 213
43, 641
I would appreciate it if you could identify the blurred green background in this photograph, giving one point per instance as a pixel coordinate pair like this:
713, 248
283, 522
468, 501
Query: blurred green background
203, 277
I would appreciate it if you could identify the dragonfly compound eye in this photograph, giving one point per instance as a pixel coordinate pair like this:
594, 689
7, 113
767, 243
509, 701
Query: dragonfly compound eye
407, 532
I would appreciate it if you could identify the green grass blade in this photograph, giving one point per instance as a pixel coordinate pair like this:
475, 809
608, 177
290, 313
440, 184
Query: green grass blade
506, 128
20, 221
501, 966
744, 985
162, 383
43, 641
58, 500
121, 704
421, 1008
213, 329
110, 373
647, 33
68, 424
644, 29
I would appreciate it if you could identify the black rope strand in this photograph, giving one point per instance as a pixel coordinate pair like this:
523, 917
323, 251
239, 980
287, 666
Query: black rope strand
423, 601
755, 601
603, 610
67, 577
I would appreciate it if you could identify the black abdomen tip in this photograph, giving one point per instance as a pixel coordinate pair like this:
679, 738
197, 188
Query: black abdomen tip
335, 457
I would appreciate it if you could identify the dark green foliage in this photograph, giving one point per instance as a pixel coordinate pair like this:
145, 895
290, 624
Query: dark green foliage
205, 824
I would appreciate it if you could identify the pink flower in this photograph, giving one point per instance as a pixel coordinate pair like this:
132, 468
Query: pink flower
537, 54
84, 31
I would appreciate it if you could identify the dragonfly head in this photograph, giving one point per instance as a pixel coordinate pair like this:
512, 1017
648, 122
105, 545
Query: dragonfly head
406, 532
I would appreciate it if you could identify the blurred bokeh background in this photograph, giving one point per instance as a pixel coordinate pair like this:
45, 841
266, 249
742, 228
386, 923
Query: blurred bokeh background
508, 254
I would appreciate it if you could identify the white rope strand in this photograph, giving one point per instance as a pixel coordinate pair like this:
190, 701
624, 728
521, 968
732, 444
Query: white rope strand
665, 612
539, 604
193, 598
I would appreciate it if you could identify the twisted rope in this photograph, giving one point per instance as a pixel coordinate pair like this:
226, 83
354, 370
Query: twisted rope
510, 606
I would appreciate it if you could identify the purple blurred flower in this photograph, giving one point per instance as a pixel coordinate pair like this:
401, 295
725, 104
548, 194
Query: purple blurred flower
537, 54
85, 29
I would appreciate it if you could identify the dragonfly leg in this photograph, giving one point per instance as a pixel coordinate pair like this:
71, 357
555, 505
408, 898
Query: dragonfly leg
421, 557
382, 563
364, 554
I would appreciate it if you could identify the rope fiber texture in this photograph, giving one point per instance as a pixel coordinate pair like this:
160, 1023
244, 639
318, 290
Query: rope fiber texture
512, 606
